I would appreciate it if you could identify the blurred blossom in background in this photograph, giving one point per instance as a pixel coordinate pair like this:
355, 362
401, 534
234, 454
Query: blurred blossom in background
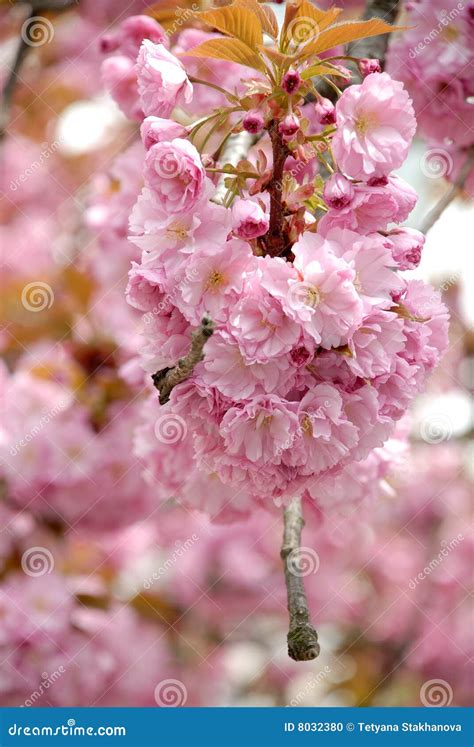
110, 596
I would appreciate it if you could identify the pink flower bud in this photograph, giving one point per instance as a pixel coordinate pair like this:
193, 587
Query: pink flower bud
368, 66
346, 73
325, 111
248, 219
378, 181
291, 81
109, 43
338, 192
253, 122
157, 130
289, 126
406, 245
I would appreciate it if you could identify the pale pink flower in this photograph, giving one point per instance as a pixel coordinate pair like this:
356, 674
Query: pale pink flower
130, 34
145, 289
214, 280
162, 80
324, 298
175, 174
225, 368
249, 220
406, 245
376, 124
261, 327
157, 130
375, 344
259, 430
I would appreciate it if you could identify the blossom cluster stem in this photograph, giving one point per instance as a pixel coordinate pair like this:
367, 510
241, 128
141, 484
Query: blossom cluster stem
166, 380
302, 637
275, 240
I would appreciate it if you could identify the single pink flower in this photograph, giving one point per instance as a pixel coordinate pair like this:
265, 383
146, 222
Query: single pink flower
249, 220
162, 80
375, 127
174, 172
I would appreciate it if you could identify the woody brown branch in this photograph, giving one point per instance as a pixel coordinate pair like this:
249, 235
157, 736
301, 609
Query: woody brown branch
168, 378
302, 637
275, 240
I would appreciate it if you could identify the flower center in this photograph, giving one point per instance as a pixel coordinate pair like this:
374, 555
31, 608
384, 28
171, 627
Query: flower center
366, 122
177, 230
312, 297
450, 33
307, 426
215, 280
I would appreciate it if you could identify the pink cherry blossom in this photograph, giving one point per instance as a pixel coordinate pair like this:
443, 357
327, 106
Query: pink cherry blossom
376, 124
162, 80
175, 174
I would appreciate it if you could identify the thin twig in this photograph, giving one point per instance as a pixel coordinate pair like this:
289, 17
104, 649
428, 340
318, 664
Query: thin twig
236, 149
302, 637
434, 214
168, 378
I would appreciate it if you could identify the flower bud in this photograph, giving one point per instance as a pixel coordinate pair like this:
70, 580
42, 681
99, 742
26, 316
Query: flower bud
338, 192
406, 246
368, 66
289, 126
253, 122
248, 219
325, 111
156, 130
291, 81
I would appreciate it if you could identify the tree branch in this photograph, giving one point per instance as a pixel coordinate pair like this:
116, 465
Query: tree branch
275, 240
302, 637
434, 214
168, 378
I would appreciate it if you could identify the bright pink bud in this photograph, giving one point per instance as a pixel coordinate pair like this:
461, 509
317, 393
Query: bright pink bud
253, 122
406, 245
378, 181
338, 192
325, 111
291, 81
289, 126
368, 66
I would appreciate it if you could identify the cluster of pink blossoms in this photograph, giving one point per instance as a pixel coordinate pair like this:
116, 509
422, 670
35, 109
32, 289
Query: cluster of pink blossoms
434, 58
315, 356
